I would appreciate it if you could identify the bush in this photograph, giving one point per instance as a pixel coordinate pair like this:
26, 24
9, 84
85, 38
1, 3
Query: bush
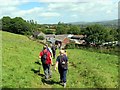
49, 31
70, 46
41, 37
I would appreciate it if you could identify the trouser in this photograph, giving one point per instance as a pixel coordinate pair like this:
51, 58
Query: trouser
54, 53
62, 73
47, 70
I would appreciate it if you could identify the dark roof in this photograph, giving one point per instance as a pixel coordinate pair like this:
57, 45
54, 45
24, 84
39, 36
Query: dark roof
50, 35
36, 33
61, 37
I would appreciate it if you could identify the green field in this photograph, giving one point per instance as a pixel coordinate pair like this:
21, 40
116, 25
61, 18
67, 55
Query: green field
86, 69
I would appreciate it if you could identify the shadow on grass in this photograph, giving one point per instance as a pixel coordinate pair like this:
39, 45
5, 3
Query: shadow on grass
38, 70
35, 71
37, 62
50, 82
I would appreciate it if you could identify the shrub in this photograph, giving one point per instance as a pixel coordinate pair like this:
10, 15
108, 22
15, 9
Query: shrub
70, 46
41, 37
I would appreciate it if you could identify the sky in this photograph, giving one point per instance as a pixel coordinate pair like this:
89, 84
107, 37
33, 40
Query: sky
54, 11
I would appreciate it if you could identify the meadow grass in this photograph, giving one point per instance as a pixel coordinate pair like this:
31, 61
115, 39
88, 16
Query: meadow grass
86, 69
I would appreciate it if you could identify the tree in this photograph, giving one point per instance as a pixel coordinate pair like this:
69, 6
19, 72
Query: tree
48, 31
74, 29
16, 25
6, 23
98, 34
61, 28
20, 26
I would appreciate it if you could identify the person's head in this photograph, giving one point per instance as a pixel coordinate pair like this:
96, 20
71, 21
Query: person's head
44, 47
64, 49
62, 52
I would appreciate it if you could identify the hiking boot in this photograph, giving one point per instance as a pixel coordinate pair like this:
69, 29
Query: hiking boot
61, 82
50, 76
64, 85
47, 79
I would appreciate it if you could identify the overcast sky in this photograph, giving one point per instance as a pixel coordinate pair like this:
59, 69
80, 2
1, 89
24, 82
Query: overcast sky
53, 11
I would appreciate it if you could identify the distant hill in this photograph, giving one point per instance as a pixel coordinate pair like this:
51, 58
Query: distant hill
109, 23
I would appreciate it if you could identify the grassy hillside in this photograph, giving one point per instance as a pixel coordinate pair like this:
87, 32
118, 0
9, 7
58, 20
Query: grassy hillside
93, 69
18, 57
86, 69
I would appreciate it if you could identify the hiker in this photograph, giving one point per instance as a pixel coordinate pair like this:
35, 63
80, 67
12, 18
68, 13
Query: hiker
53, 48
46, 62
59, 45
65, 52
49, 49
62, 63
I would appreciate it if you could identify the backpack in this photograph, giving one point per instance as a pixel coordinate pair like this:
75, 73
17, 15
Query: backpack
44, 57
63, 63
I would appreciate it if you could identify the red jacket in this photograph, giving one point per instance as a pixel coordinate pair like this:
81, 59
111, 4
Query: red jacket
48, 61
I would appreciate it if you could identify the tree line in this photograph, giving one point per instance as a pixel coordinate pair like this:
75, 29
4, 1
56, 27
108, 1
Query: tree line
95, 33
18, 25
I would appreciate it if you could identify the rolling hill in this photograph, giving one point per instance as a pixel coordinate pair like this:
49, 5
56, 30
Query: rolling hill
109, 23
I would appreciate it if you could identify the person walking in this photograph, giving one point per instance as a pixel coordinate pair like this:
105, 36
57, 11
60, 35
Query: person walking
65, 52
53, 48
62, 63
49, 49
46, 60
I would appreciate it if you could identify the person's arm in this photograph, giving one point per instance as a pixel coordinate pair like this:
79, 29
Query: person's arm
56, 65
51, 60
39, 58
67, 59
50, 51
40, 55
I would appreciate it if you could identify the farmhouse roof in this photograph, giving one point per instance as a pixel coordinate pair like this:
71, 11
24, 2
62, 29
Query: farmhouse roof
77, 36
61, 37
36, 33
50, 35
81, 36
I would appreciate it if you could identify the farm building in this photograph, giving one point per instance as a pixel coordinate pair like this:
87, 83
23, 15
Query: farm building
78, 39
37, 34
50, 38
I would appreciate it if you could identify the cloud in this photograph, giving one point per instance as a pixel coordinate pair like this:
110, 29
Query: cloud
109, 12
35, 10
49, 14
64, 10
75, 0
74, 16
81, 7
8, 3
59, 0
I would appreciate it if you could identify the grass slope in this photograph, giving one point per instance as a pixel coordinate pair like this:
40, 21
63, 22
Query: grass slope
18, 57
86, 69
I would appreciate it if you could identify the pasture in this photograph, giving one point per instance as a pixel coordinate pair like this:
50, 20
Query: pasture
86, 69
